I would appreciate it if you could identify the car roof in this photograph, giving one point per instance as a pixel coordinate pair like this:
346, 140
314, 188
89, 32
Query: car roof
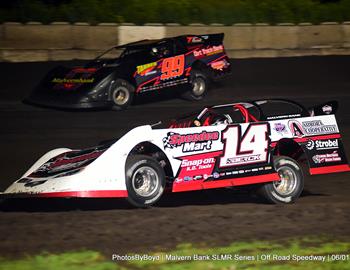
141, 43
145, 43
259, 103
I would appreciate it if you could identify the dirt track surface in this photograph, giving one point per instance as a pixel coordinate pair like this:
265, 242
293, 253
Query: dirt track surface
212, 217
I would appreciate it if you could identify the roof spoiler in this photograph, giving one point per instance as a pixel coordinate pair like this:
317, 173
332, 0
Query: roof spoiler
209, 38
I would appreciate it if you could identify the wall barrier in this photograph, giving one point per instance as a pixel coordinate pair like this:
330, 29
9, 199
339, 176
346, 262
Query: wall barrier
34, 41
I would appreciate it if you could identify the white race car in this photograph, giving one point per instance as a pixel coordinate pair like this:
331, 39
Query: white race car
258, 143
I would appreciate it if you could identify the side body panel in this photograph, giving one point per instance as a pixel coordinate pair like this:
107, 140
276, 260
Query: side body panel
201, 158
175, 69
98, 172
320, 139
218, 156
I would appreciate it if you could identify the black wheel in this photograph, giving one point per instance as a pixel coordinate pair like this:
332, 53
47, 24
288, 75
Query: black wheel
121, 94
199, 84
290, 185
145, 180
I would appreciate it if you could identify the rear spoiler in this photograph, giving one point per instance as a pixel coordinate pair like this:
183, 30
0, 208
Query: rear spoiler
330, 107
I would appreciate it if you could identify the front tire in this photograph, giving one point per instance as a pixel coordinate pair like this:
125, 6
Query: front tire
290, 185
199, 84
121, 94
145, 180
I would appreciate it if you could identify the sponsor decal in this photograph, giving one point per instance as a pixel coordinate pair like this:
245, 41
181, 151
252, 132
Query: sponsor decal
219, 65
322, 145
63, 162
243, 159
146, 68
178, 180
283, 116
296, 128
235, 172
280, 128
187, 178
150, 72
216, 175
197, 164
310, 145
190, 142
327, 109
325, 158
68, 163
317, 127
71, 82
209, 51
195, 167
313, 127
196, 39
76, 80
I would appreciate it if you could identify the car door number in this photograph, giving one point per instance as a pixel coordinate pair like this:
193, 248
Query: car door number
250, 148
173, 67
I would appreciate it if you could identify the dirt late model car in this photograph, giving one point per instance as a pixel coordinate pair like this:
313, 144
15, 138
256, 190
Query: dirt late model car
245, 143
113, 79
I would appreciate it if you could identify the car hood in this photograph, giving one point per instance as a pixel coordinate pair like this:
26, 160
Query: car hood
68, 163
73, 80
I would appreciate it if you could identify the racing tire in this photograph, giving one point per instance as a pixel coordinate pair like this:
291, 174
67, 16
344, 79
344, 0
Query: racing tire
199, 84
121, 95
145, 180
291, 183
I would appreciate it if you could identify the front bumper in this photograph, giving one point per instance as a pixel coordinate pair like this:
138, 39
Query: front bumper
68, 194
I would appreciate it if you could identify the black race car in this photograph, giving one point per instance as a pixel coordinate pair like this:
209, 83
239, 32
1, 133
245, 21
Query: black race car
113, 78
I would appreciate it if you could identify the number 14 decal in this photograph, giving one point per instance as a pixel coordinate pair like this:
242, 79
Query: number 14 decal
250, 148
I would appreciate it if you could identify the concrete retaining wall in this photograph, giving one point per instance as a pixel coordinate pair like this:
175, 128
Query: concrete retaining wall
63, 41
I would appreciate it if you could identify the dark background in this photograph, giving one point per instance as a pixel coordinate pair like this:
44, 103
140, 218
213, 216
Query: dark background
181, 11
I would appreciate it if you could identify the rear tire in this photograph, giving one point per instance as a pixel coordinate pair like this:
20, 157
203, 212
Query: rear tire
145, 180
121, 95
290, 185
199, 84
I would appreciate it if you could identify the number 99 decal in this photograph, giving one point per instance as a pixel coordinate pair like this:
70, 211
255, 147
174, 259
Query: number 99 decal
173, 67
250, 149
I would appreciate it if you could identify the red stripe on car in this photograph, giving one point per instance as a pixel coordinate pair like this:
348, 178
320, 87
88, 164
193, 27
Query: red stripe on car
226, 182
330, 169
